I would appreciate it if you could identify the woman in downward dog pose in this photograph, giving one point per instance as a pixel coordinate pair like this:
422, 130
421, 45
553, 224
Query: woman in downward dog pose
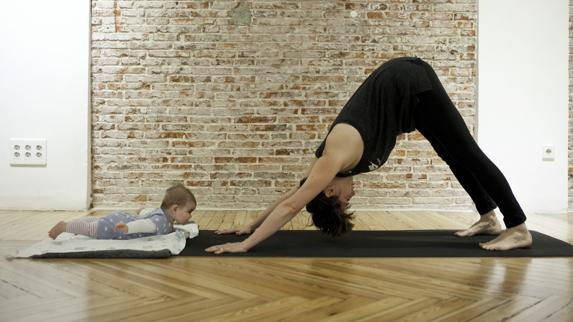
400, 96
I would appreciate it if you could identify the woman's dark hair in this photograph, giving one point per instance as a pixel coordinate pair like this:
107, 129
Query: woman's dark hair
328, 215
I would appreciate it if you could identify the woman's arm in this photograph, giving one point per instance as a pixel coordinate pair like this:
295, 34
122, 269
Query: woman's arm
322, 173
247, 229
343, 150
259, 220
324, 170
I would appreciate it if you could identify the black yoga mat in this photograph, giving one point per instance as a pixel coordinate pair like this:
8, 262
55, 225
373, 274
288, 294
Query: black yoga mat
404, 243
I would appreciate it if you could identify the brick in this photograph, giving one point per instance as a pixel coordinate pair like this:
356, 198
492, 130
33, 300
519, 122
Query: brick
182, 92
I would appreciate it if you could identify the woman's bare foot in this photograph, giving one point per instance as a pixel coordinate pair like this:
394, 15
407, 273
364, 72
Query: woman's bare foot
486, 225
57, 229
515, 237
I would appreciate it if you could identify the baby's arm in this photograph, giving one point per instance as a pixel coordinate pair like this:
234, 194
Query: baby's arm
137, 226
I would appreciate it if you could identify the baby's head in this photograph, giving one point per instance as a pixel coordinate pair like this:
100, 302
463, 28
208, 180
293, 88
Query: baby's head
179, 202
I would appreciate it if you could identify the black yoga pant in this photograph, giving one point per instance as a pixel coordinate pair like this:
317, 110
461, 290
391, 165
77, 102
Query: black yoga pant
440, 122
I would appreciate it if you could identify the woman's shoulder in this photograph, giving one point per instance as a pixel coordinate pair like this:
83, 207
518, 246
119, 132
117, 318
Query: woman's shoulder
347, 142
345, 133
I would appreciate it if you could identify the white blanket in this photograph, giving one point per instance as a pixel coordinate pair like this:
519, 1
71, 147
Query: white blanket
70, 245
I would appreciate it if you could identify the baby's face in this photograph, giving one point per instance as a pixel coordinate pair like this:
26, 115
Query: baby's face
181, 215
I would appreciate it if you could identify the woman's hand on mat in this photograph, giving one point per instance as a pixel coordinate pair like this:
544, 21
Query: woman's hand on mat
227, 248
121, 227
237, 231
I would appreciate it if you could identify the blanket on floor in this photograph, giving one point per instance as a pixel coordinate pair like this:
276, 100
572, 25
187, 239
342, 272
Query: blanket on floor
75, 246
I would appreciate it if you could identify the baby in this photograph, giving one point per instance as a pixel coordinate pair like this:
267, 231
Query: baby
177, 205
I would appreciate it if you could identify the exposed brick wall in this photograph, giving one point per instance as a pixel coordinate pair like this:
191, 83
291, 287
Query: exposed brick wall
232, 98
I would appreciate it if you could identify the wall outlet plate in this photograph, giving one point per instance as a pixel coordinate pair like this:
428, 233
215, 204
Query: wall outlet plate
548, 153
28, 152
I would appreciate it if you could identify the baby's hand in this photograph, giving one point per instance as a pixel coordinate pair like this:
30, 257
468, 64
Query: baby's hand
121, 227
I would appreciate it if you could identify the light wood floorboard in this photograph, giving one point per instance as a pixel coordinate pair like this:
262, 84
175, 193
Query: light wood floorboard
285, 289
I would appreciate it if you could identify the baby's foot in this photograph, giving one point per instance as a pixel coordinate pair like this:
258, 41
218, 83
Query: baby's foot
486, 225
515, 237
57, 229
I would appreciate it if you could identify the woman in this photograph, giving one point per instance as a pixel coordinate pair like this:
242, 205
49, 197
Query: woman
400, 96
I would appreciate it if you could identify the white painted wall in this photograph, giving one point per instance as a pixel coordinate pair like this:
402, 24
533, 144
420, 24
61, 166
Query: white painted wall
523, 96
44, 93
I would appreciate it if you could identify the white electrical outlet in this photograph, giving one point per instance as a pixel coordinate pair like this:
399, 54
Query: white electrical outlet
548, 153
28, 151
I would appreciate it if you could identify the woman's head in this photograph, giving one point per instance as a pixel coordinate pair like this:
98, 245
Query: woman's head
328, 209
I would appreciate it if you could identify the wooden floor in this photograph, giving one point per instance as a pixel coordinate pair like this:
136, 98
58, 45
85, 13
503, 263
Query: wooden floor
286, 289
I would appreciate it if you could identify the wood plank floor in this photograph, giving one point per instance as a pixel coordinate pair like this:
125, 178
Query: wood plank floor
285, 289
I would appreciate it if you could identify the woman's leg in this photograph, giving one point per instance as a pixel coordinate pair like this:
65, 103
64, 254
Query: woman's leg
439, 118
469, 182
488, 223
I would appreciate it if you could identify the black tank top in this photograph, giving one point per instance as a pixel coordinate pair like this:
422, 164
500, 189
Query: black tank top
382, 108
